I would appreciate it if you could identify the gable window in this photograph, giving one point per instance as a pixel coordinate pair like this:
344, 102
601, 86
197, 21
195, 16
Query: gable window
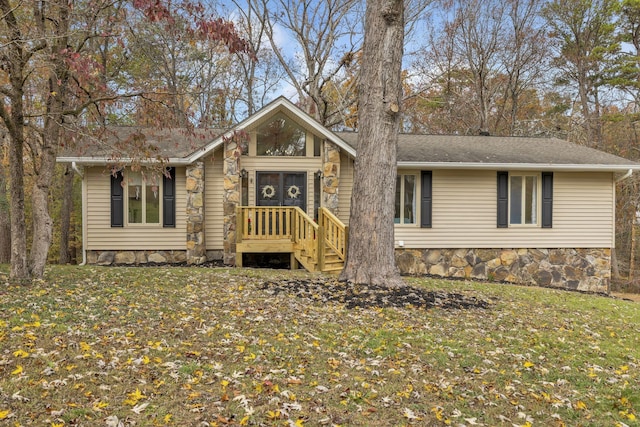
281, 137
405, 204
525, 199
149, 199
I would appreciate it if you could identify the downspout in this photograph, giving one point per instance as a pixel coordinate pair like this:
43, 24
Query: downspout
625, 176
74, 166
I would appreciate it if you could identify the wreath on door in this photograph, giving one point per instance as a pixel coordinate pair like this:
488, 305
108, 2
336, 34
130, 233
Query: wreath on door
293, 192
268, 191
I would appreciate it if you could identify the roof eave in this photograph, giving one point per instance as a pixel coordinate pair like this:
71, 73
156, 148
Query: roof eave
101, 161
520, 166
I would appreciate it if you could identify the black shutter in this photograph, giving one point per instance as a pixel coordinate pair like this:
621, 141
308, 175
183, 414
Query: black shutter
426, 200
169, 199
503, 199
117, 200
547, 199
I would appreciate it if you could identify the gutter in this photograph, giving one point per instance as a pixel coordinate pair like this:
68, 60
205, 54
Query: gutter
75, 167
520, 166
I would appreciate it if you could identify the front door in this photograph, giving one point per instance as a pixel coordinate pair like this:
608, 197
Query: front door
282, 189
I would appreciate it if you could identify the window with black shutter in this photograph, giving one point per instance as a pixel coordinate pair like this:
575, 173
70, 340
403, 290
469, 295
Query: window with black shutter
117, 200
169, 199
426, 200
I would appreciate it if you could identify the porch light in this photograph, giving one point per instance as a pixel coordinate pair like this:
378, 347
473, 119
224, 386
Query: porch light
319, 174
244, 173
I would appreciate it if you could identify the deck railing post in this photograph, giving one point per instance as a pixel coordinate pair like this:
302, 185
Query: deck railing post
321, 246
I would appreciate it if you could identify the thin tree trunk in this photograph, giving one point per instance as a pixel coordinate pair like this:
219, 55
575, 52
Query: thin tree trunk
5, 221
65, 216
370, 256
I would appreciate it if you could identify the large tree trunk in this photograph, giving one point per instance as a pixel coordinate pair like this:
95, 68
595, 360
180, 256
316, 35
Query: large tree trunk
51, 136
65, 216
5, 221
370, 256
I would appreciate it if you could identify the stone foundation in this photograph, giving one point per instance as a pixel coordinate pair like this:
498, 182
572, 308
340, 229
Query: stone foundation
578, 269
144, 257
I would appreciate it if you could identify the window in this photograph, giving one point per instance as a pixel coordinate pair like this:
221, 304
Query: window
281, 137
143, 198
149, 200
523, 195
405, 205
525, 199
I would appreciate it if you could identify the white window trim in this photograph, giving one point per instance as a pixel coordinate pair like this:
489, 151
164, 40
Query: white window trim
144, 205
538, 177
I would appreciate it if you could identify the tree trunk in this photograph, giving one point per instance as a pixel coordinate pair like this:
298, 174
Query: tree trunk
5, 221
65, 216
51, 136
370, 256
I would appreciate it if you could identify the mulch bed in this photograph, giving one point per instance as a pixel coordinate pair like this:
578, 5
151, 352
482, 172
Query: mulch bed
369, 296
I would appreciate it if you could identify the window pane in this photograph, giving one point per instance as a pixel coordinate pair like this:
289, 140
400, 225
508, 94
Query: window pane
397, 204
515, 200
409, 199
530, 202
281, 137
152, 196
135, 193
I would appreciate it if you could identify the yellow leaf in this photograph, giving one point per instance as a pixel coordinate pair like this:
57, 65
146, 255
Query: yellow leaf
528, 364
244, 421
20, 353
17, 371
4, 414
224, 383
580, 405
84, 346
631, 416
299, 422
167, 418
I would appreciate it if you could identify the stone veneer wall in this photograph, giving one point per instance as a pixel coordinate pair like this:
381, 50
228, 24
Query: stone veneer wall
144, 257
196, 249
330, 176
230, 198
578, 269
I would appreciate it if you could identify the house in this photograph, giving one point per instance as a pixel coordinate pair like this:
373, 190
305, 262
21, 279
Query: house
525, 210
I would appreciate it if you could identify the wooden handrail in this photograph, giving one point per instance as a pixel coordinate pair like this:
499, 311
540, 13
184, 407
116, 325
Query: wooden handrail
292, 223
335, 232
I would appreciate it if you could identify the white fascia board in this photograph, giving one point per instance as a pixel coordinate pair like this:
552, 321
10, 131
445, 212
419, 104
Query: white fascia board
101, 161
520, 166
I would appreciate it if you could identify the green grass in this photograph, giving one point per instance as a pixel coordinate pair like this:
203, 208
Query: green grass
179, 346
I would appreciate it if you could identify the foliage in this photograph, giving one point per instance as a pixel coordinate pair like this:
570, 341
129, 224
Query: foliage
182, 346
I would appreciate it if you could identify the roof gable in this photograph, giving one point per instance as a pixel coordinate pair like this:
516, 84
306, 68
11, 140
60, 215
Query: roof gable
290, 109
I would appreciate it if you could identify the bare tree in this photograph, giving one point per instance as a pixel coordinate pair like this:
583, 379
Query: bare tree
326, 35
370, 256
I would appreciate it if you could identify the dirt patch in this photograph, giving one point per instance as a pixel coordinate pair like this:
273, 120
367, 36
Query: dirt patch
366, 296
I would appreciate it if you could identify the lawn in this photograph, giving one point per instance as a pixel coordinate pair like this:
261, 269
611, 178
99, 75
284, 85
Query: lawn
173, 346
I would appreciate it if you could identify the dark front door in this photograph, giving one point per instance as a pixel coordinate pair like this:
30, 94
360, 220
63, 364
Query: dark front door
282, 189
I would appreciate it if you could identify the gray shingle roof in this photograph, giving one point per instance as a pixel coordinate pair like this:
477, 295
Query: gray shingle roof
492, 150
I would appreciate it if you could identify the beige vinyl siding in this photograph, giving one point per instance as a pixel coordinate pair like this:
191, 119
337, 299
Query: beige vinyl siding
464, 214
100, 234
310, 165
345, 187
213, 209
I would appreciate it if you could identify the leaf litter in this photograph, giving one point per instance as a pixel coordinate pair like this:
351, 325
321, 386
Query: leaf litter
216, 347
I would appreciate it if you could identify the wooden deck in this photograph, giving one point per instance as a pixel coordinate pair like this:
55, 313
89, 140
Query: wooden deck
315, 246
